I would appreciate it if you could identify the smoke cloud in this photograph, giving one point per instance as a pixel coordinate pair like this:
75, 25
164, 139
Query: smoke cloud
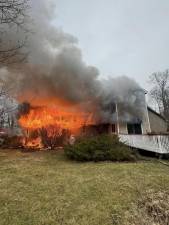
55, 70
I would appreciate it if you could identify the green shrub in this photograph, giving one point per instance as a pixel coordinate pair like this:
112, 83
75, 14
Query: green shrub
100, 148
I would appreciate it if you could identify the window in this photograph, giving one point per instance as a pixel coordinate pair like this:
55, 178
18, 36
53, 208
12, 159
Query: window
134, 128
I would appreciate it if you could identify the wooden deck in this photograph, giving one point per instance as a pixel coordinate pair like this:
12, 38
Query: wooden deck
152, 143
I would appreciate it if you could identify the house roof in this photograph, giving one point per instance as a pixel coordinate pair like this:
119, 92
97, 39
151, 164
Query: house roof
156, 113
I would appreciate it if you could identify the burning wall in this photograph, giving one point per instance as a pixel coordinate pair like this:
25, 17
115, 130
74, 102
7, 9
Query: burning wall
63, 118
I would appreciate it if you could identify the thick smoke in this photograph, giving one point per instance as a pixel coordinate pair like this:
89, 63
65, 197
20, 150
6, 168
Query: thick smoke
124, 95
56, 70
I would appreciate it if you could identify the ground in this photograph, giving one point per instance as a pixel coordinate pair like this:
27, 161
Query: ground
44, 188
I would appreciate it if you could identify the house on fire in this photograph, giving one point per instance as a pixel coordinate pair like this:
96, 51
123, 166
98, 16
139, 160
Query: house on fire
149, 133
133, 117
138, 125
151, 123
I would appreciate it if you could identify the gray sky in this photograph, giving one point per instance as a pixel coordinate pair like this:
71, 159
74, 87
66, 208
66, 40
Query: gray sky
120, 37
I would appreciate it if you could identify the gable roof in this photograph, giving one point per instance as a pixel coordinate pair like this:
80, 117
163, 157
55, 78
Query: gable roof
156, 113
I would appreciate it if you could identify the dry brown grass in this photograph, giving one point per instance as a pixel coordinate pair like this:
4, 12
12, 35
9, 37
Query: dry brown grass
152, 208
44, 188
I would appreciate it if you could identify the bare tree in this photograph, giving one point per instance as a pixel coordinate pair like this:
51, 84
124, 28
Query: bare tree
54, 136
12, 20
160, 91
8, 108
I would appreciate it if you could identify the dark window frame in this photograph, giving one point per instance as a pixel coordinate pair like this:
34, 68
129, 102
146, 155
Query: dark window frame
134, 128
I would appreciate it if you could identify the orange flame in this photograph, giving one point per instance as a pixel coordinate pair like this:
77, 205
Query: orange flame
44, 116
60, 118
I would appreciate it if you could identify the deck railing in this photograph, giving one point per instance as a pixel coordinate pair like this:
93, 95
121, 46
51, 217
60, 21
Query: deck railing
153, 143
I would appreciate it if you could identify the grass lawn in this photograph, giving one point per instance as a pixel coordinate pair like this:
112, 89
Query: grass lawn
43, 188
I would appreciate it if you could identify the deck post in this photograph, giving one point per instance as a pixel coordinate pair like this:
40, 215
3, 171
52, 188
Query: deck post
117, 117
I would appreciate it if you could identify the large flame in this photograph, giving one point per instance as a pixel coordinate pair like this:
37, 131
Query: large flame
53, 120
43, 117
